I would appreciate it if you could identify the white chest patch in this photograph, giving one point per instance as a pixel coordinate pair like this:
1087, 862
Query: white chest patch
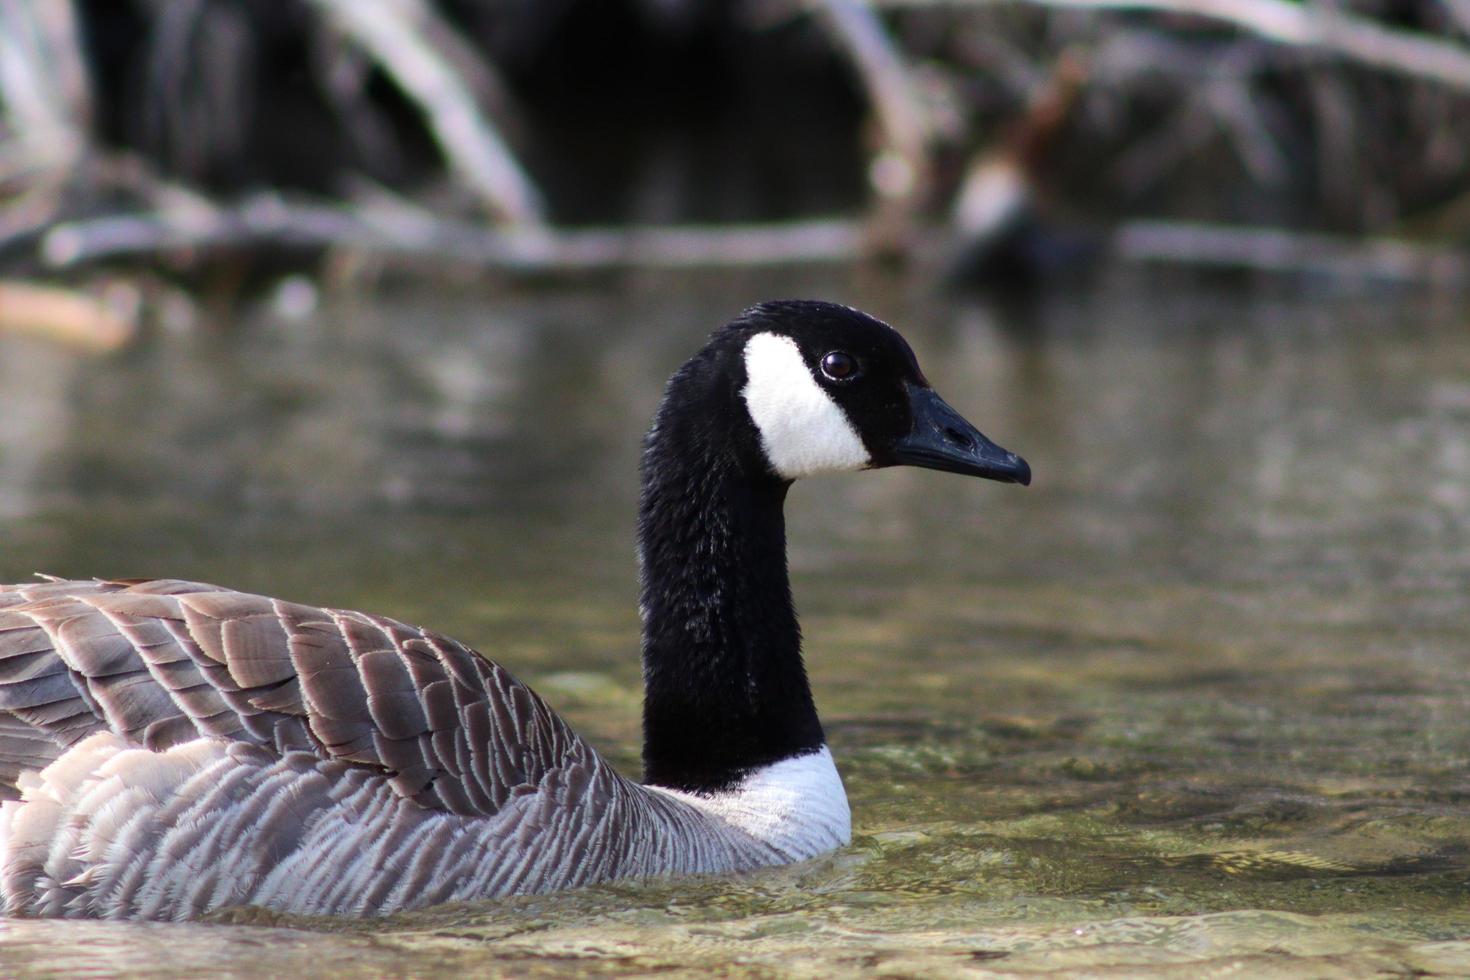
803, 431
798, 806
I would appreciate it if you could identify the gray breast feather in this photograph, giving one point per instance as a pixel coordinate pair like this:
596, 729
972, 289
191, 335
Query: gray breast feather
119, 831
164, 662
170, 748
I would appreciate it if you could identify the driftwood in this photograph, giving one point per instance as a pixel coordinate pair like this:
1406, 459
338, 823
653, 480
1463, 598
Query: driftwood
1282, 251
68, 317
408, 235
56, 180
268, 222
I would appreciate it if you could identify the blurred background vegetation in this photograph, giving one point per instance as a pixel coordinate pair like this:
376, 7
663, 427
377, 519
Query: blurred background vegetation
211, 145
388, 290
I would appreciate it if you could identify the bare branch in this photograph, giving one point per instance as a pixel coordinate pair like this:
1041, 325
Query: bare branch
43, 82
879, 65
396, 34
1313, 25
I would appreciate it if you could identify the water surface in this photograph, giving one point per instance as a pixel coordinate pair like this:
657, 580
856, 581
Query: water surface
1196, 701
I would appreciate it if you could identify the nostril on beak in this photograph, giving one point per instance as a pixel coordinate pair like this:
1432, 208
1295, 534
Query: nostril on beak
958, 437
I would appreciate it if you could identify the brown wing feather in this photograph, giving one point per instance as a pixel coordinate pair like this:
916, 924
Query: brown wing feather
161, 662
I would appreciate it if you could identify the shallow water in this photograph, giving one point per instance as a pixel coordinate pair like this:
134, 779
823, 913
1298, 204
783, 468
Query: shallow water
1196, 702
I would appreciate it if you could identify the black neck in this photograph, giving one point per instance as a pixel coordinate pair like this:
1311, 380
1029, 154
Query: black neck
725, 691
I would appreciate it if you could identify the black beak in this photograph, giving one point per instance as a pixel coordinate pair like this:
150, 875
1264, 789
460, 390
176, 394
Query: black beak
941, 439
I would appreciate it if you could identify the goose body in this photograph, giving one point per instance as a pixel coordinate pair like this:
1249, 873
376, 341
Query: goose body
170, 748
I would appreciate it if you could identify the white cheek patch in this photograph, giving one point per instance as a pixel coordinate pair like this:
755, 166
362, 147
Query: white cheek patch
803, 431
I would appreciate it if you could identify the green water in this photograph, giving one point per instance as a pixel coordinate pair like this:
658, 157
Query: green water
1197, 702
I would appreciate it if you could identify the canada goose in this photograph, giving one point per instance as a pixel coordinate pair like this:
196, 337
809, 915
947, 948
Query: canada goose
169, 748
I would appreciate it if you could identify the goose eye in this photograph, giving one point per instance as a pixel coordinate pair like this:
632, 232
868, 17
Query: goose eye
839, 366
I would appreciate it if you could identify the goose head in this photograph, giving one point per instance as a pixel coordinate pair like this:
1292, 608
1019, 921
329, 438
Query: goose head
785, 390
831, 389
782, 391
